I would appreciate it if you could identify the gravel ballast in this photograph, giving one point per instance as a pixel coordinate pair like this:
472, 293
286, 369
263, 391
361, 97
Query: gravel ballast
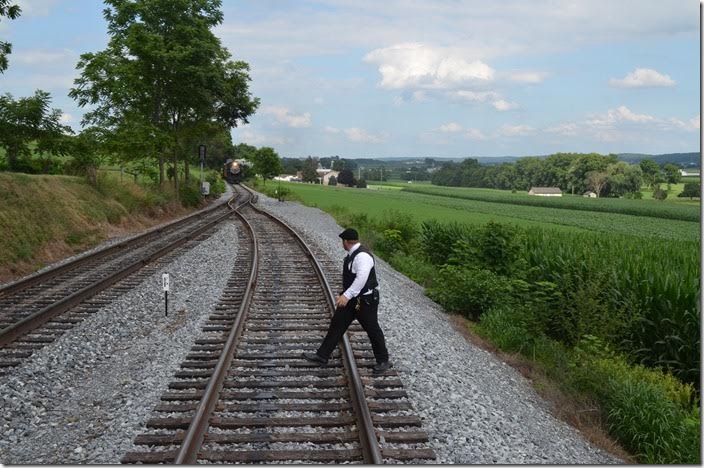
475, 408
84, 397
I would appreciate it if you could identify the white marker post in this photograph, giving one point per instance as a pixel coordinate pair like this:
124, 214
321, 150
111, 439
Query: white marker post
165, 283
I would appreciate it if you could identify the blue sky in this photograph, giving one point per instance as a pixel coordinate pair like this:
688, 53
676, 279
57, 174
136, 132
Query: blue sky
441, 78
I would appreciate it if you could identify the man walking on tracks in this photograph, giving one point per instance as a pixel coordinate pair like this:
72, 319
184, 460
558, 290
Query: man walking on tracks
360, 300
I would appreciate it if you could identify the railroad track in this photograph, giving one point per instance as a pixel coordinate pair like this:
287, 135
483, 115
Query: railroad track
37, 310
245, 395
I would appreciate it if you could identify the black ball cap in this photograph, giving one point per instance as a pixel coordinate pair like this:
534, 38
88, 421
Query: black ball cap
349, 234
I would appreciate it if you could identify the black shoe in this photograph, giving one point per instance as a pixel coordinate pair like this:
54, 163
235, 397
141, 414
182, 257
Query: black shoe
313, 357
382, 367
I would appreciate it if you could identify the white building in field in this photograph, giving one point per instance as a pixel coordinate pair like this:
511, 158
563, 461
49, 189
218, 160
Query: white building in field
545, 191
690, 172
590, 194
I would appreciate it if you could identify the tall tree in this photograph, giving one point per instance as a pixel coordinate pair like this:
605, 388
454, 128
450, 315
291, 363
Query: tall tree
691, 190
596, 181
585, 163
10, 11
622, 178
309, 170
86, 154
267, 163
30, 119
651, 172
292, 165
672, 173
346, 177
164, 70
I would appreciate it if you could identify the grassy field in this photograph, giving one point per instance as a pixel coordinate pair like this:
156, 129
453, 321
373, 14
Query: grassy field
443, 208
675, 189
607, 205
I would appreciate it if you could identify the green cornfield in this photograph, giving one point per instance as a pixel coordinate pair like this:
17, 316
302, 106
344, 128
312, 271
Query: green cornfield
651, 285
648, 208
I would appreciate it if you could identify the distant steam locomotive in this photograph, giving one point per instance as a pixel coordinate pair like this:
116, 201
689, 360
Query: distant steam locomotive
233, 170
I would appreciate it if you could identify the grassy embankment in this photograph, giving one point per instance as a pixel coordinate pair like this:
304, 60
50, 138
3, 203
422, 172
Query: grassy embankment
45, 217
575, 297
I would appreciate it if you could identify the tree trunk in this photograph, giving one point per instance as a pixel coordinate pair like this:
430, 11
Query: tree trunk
12, 159
176, 174
161, 170
92, 175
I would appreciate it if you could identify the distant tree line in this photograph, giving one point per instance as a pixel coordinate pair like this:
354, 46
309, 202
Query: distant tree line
572, 172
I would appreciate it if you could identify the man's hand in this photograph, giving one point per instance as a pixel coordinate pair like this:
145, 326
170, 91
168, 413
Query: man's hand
341, 301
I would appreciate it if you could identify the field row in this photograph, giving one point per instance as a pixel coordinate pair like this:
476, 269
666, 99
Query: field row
443, 208
649, 208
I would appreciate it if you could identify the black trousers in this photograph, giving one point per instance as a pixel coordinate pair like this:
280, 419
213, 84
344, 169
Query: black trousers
367, 318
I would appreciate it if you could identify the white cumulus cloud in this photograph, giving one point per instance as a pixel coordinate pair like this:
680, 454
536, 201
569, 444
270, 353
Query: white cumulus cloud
450, 127
620, 114
43, 57
66, 118
285, 116
691, 125
516, 130
643, 78
566, 129
529, 77
413, 65
478, 96
475, 134
359, 135
332, 130
502, 105
260, 139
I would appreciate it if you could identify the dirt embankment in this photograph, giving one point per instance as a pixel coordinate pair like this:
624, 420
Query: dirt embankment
44, 218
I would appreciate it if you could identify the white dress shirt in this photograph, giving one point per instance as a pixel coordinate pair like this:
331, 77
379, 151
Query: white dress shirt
361, 266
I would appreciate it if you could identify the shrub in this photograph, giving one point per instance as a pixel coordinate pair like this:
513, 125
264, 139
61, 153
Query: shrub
691, 190
361, 183
417, 270
391, 241
659, 194
189, 193
332, 181
217, 185
469, 291
437, 239
401, 222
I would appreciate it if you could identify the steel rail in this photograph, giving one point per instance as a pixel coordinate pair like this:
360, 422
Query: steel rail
30, 323
367, 433
193, 438
39, 278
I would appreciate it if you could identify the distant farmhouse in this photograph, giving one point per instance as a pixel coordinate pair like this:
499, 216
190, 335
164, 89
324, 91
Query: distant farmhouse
590, 194
690, 172
324, 175
545, 191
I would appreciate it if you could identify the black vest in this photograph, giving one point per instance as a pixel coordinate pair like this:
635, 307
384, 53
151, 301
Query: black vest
348, 277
